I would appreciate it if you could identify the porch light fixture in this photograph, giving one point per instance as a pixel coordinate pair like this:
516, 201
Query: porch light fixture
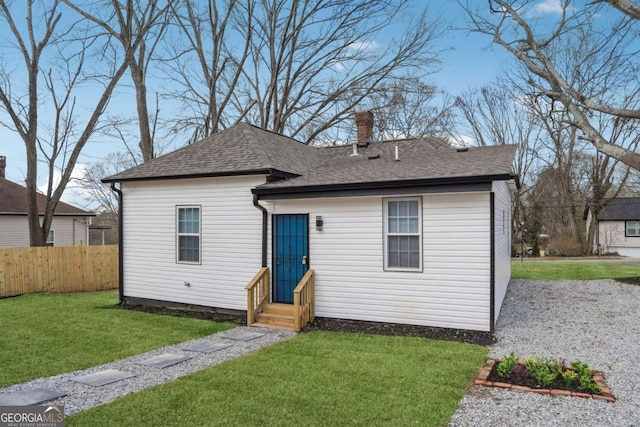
319, 223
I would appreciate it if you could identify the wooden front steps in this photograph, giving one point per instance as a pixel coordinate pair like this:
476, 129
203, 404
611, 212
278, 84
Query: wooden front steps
274, 315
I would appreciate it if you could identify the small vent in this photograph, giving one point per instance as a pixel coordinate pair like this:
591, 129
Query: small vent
377, 156
462, 149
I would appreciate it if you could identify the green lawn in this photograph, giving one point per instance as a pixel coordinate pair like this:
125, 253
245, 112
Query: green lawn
572, 270
316, 378
47, 334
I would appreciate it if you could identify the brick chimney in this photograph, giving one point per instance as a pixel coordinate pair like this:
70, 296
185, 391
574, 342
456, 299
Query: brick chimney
3, 166
364, 123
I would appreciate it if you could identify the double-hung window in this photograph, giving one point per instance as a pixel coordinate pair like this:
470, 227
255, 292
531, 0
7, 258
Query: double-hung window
403, 234
188, 234
632, 229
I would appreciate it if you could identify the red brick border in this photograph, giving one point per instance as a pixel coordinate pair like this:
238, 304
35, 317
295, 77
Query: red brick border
598, 378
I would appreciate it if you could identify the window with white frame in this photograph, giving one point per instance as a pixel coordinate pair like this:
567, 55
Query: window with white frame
188, 234
403, 234
51, 238
632, 229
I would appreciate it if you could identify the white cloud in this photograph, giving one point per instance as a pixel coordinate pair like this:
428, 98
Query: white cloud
74, 194
338, 66
350, 54
548, 7
364, 46
462, 141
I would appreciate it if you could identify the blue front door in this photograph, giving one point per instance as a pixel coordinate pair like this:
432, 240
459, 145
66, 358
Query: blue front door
290, 254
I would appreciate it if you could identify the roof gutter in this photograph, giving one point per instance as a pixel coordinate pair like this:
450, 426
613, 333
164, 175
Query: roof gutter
257, 204
120, 244
275, 173
374, 185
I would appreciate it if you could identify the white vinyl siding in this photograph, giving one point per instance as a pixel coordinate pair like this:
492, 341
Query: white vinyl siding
402, 234
14, 230
188, 232
613, 237
452, 290
502, 242
230, 240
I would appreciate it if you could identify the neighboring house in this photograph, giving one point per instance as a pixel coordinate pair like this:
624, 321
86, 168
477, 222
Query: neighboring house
70, 225
411, 231
104, 229
617, 227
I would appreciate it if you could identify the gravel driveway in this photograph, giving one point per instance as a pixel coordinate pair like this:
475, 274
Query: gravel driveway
595, 321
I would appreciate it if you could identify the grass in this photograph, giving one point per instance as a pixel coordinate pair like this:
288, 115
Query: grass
316, 378
572, 270
47, 334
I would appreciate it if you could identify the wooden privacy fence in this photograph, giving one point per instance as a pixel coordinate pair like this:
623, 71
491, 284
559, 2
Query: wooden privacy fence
58, 269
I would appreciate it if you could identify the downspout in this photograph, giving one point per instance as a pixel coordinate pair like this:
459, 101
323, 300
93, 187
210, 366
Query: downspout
120, 252
257, 204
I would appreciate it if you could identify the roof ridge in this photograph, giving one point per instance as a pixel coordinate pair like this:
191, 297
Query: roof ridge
272, 132
252, 139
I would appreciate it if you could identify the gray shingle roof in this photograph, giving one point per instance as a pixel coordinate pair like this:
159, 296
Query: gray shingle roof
419, 159
246, 149
622, 209
13, 200
242, 148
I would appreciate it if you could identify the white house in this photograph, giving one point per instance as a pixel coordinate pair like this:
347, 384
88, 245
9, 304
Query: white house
70, 225
410, 231
617, 227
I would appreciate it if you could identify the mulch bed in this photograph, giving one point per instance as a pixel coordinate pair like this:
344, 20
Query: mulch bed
396, 329
329, 324
216, 316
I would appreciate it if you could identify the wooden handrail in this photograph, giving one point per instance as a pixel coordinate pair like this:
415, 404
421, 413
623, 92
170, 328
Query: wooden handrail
303, 301
257, 294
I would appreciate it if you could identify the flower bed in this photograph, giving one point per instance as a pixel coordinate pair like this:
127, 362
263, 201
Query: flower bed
544, 376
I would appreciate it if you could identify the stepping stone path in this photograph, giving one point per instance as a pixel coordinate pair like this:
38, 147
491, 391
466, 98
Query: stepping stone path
29, 396
206, 347
165, 360
98, 379
81, 390
241, 335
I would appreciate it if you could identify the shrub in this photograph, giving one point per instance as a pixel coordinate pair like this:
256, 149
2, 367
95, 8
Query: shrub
542, 370
565, 245
569, 377
507, 365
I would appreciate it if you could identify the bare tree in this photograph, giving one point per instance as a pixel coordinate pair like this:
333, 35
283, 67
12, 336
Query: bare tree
93, 188
293, 67
205, 62
608, 68
51, 54
410, 108
497, 115
120, 20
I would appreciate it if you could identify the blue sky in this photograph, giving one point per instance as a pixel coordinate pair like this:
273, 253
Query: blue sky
469, 61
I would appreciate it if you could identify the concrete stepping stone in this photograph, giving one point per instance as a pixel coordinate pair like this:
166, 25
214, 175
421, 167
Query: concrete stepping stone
164, 360
30, 396
241, 335
206, 347
98, 379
